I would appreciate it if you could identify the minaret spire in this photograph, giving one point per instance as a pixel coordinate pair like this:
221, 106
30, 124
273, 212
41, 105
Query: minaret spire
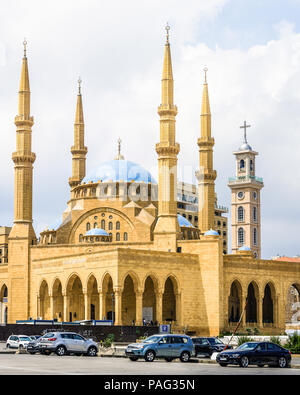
78, 150
206, 175
167, 229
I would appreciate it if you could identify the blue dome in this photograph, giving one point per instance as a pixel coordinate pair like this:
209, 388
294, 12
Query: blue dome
96, 232
119, 170
211, 232
244, 248
183, 222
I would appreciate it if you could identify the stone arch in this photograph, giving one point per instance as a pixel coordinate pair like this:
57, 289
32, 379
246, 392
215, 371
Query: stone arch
93, 297
130, 287
150, 289
292, 306
107, 287
169, 302
234, 301
268, 303
3, 303
252, 302
44, 301
75, 297
58, 300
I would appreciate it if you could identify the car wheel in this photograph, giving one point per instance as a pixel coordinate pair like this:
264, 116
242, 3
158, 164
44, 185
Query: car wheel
169, 359
260, 365
223, 364
92, 351
150, 356
60, 351
133, 359
20, 346
7, 345
282, 362
185, 356
244, 362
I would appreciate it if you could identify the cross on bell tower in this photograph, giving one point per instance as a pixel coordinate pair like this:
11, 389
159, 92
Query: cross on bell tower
245, 126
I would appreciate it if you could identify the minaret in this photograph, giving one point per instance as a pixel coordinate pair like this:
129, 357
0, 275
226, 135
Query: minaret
22, 235
245, 200
78, 150
206, 175
167, 229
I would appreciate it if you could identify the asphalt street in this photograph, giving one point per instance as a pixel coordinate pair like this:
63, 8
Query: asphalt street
25, 364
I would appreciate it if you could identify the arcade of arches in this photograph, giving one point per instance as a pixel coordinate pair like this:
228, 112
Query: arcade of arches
100, 300
260, 307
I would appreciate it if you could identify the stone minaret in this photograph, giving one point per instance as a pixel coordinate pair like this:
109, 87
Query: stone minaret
167, 228
22, 235
78, 150
206, 175
245, 201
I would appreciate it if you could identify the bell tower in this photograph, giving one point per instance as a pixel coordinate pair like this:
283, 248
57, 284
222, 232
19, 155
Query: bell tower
245, 200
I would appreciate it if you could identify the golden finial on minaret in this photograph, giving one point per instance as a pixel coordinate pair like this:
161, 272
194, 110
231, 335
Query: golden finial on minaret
167, 30
25, 45
119, 156
205, 74
79, 85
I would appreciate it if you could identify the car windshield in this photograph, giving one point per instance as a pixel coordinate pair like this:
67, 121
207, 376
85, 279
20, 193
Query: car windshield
152, 339
214, 340
247, 346
24, 338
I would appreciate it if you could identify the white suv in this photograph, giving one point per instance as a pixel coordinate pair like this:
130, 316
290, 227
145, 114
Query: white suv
17, 341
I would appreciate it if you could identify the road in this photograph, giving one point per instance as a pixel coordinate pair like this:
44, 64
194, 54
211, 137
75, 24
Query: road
24, 364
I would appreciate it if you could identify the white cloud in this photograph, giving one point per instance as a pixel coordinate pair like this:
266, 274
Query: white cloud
117, 48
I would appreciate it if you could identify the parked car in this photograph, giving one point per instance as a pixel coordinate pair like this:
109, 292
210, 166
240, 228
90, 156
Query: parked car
33, 345
208, 345
256, 353
17, 341
168, 347
63, 343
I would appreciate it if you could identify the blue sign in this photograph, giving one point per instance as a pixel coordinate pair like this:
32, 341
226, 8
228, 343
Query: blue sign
164, 328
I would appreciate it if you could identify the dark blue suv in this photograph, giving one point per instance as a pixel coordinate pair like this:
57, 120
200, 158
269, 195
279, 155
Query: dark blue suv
168, 347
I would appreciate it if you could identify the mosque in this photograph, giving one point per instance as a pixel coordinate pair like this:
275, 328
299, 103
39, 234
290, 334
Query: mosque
126, 251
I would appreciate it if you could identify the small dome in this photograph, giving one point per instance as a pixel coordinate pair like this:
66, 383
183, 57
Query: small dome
96, 232
183, 222
119, 170
245, 147
244, 248
211, 232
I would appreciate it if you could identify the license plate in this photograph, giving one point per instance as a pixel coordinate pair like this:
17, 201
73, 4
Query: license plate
223, 359
44, 346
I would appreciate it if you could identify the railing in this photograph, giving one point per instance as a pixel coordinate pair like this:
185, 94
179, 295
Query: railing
245, 179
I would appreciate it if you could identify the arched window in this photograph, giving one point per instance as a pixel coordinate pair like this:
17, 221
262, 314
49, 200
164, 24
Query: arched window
254, 214
251, 165
241, 214
255, 236
125, 236
118, 225
103, 224
241, 236
118, 237
80, 238
88, 226
242, 164
95, 225
110, 226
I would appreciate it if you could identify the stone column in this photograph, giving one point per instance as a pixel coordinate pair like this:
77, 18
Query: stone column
86, 305
139, 308
118, 307
51, 307
159, 298
102, 309
243, 302
178, 309
66, 308
38, 306
260, 312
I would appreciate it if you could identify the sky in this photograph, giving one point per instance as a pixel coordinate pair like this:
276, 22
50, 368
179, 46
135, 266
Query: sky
251, 49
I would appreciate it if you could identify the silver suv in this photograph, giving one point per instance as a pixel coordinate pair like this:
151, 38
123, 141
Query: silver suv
63, 343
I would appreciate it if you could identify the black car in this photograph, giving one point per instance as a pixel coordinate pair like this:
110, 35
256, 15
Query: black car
256, 353
33, 347
208, 345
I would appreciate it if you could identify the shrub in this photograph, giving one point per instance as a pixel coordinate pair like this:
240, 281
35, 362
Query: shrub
243, 339
256, 331
276, 340
108, 340
293, 344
